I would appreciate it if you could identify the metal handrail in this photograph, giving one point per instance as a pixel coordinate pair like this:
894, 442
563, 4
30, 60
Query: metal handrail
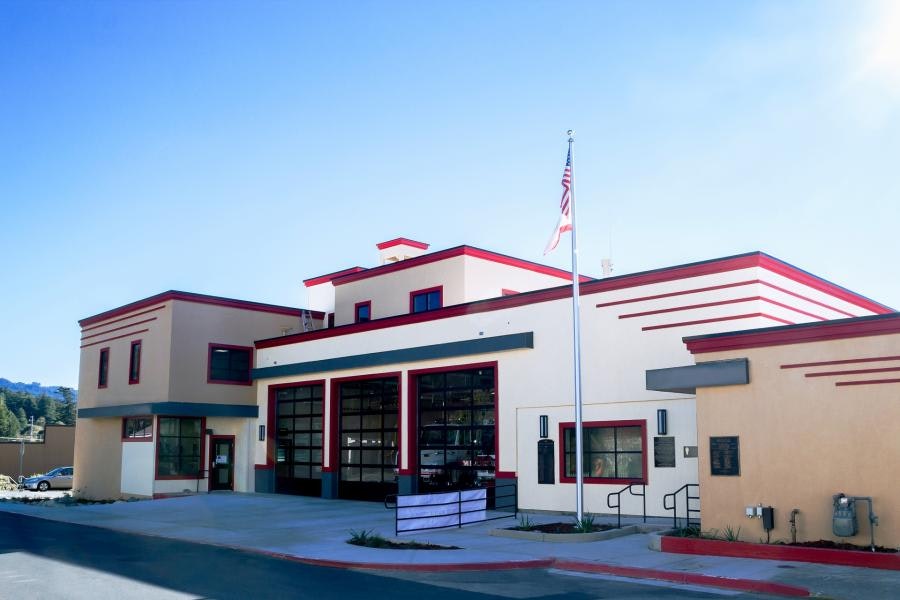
390, 502
686, 488
618, 496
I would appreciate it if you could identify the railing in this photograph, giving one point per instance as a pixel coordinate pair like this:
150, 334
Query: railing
686, 488
419, 512
618, 505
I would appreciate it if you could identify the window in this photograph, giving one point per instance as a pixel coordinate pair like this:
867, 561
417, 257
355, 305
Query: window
137, 429
103, 375
613, 452
363, 311
424, 300
229, 364
134, 363
178, 451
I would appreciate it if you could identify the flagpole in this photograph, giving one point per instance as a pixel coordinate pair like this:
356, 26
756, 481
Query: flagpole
579, 441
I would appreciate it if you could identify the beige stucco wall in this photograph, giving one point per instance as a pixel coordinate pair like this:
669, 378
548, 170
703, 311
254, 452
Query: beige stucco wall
803, 439
155, 352
195, 326
389, 292
98, 458
488, 279
56, 450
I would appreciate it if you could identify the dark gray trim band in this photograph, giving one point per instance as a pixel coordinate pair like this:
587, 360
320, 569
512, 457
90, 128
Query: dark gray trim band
172, 409
686, 380
512, 341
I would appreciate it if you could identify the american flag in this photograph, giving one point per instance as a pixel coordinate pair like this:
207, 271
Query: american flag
565, 221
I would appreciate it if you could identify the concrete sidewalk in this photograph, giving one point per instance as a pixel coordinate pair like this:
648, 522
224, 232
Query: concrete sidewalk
316, 531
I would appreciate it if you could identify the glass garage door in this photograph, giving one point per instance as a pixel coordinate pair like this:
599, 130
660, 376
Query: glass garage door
298, 459
368, 439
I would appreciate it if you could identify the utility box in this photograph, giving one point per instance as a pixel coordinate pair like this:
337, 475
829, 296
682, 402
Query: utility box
843, 521
768, 518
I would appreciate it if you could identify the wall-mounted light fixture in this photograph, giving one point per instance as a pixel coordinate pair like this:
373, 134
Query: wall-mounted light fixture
545, 427
662, 421
262, 433
209, 432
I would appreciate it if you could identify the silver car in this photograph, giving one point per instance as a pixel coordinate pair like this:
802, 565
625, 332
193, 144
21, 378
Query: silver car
59, 478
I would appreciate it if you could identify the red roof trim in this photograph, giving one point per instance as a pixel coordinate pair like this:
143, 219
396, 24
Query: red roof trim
453, 253
326, 278
199, 299
796, 334
720, 265
401, 241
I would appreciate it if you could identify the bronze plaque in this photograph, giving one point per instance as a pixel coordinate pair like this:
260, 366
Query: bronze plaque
724, 455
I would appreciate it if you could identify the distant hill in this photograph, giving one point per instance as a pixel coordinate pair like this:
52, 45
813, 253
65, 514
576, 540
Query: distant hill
34, 388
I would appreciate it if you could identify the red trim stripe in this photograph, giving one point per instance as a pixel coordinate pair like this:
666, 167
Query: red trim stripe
853, 372
721, 303
453, 253
87, 337
326, 278
867, 382
806, 298
867, 326
118, 337
680, 293
161, 306
402, 241
848, 361
701, 321
199, 299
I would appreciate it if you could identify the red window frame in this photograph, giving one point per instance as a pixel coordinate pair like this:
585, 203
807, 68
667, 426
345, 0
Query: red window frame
202, 473
209, 377
103, 369
642, 423
412, 296
149, 438
357, 306
134, 371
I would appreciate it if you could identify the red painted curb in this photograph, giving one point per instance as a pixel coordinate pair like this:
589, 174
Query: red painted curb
826, 556
745, 585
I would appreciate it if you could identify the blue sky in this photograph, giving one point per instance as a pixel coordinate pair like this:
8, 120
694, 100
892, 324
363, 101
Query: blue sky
236, 148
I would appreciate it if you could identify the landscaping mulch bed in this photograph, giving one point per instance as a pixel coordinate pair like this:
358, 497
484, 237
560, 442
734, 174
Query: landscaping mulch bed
562, 528
841, 546
391, 545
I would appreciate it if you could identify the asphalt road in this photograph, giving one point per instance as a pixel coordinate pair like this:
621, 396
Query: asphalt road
47, 559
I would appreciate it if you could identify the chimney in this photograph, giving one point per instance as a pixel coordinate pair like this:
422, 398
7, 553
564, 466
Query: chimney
400, 249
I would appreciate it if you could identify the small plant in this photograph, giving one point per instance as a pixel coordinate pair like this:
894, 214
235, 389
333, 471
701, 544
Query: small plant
730, 534
585, 524
525, 523
688, 532
367, 538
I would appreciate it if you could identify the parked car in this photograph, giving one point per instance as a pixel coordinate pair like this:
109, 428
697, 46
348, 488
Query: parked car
59, 478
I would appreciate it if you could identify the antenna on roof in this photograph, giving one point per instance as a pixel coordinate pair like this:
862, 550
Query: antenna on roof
606, 264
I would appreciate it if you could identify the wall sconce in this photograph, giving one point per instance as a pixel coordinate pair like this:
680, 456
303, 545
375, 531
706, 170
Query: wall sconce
662, 421
545, 427
262, 433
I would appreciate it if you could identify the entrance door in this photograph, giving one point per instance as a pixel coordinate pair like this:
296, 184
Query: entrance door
221, 459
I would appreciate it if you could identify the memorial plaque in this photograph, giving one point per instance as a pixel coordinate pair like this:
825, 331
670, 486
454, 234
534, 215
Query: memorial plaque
724, 456
546, 470
664, 451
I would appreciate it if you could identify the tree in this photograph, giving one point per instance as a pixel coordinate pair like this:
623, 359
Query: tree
23, 418
9, 423
47, 409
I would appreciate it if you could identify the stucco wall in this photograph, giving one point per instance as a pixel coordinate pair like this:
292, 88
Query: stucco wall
155, 353
487, 279
389, 292
195, 326
138, 464
98, 458
804, 439
56, 450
